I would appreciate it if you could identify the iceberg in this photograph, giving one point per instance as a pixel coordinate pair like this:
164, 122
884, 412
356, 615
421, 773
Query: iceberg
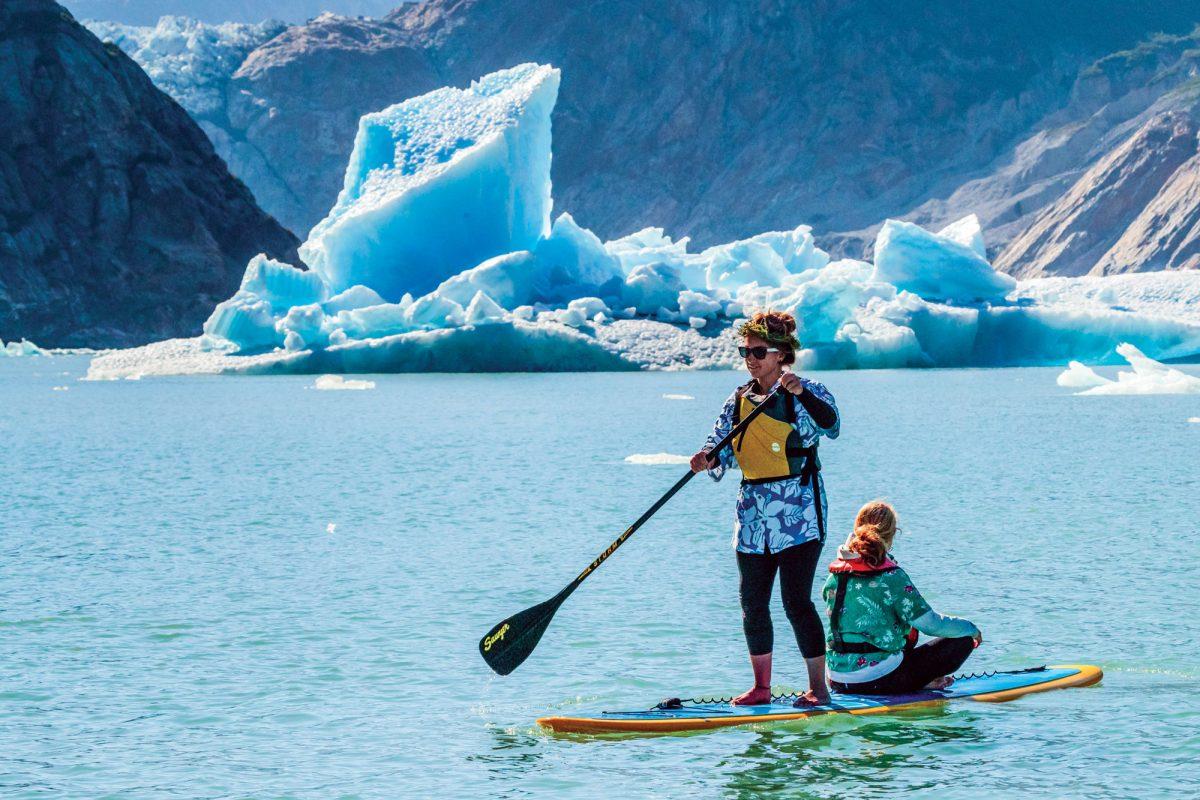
1148, 377
948, 265
439, 183
440, 255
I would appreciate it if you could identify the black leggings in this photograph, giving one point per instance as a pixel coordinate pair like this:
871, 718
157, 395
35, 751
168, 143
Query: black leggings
796, 566
923, 663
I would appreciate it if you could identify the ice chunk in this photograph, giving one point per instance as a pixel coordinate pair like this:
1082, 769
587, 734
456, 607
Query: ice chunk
1193, 419
440, 183
697, 322
647, 246
374, 321
678, 397
433, 311
657, 459
282, 285
588, 306
507, 279
21, 348
338, 383
652, 286
483, 310
967, 231
695, 304
572, 262
357, 296
245, 320
934, 266
1148, 377
1078, 376
766, 259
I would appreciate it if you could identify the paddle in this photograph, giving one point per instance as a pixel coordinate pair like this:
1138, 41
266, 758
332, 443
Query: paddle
510, 642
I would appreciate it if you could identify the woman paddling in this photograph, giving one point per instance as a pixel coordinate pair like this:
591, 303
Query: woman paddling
875, 612
780, 521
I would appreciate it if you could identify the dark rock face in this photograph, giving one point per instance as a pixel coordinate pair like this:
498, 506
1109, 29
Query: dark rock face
118, 223
717, 119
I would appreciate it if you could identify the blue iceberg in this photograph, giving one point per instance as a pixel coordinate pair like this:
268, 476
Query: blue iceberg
441, 254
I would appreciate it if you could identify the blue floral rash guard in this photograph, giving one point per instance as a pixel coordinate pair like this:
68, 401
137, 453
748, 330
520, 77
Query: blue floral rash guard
779, 513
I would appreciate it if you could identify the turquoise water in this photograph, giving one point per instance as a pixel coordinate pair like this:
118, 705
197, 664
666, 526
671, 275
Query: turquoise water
177, 619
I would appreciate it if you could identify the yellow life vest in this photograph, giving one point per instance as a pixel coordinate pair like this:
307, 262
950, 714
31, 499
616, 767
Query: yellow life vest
770, 447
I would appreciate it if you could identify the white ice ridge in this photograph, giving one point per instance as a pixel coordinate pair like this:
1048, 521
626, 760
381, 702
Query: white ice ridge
656, 459
440, 255
1148, 377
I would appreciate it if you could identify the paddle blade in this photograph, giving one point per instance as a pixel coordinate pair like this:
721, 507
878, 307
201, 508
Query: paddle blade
510, 642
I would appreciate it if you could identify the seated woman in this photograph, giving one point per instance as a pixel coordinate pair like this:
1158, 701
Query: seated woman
873, 611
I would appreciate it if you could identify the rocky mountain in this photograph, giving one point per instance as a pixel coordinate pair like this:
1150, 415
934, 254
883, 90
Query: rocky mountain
718, 120
119, 224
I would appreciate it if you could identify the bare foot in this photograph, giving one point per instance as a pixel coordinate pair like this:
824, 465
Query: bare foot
940, 683
811, 698
758, 696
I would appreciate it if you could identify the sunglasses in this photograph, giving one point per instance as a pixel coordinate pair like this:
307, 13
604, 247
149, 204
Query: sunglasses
758, 352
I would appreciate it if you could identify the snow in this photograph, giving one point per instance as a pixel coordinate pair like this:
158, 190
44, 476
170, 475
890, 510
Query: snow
1148, 377
656, 459
440, 255
189, 60
338, 383
440, 183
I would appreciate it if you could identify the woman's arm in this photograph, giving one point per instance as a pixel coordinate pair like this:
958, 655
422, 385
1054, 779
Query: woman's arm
819, 404
721, 428
914, 610
931, 623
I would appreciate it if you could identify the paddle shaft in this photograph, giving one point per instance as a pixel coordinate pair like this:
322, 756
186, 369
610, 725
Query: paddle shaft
511, 641
679, 484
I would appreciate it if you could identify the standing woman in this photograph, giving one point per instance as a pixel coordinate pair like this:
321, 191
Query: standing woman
781, 511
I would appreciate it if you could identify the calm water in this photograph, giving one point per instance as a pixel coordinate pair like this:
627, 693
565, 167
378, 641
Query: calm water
177, 619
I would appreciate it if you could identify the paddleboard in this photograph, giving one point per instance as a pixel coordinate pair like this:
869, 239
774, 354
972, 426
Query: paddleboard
702, 714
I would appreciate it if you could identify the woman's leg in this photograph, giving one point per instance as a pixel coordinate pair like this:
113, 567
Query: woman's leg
797, 566
924, 663
757, 574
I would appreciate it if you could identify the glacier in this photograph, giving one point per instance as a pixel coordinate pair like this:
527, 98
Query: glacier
442, 254
190, 60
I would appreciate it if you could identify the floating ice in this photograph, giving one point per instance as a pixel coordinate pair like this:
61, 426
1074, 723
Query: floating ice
439, 256
678, 397
331, 527
440, 183
337, 382
1193, 419
21, 348
657, 459
1148, 377
1078, 376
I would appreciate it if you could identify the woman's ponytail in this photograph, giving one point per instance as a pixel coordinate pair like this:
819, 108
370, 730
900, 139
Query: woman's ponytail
874, 530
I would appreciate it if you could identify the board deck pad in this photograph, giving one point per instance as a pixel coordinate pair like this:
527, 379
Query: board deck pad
693, 715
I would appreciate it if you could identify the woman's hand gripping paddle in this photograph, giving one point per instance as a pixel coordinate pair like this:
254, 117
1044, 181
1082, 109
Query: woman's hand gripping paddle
510, 642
